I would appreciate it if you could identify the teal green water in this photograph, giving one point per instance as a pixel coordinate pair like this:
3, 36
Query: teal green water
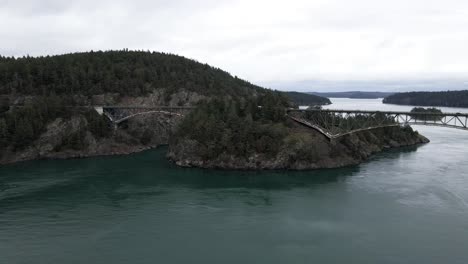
404, 206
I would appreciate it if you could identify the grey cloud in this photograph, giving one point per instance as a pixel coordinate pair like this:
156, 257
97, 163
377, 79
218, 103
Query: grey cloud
264, 41
35, 8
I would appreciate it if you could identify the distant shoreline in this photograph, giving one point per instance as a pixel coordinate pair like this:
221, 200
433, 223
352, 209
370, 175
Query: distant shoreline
458, 99
354, 94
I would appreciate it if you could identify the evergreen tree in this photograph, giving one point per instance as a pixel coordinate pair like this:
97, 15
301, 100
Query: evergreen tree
3, 133
236, 127
24, 133
448, 98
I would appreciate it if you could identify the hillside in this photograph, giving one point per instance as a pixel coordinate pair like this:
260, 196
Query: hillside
233, 135
448, 98
126, 73
38, 119
307, 99
353, 95
45, 126
130, 73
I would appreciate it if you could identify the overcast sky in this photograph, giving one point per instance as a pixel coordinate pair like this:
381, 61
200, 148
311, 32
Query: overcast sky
291, 44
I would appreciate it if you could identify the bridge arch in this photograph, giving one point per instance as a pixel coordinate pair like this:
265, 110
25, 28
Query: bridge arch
119, 114
338, 123
147, 113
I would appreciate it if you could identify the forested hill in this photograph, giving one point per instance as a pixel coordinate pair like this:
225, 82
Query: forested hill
354, 95
307, 99
130, 73
448, 98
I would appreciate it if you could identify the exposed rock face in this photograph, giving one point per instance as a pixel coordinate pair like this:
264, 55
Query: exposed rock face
138, 134
303, 149
157, 97
309, 150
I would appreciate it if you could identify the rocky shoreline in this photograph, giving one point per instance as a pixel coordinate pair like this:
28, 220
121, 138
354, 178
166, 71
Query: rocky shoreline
69, 154
138, 134
356, 150
311, 151
322, 154
123, 141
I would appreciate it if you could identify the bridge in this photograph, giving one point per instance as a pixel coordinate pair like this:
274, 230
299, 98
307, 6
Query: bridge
332, 124
119, 114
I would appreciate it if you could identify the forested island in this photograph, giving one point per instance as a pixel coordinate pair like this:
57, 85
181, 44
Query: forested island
304, 99
419, 113
446, 98
353, 94
46, 111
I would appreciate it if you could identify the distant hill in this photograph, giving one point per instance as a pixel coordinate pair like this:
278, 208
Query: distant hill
448, 98
354, 94
307, 99
129, 73
46, 87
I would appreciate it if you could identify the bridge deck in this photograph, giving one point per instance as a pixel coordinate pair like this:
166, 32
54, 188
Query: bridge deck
148, 107
325, 123
374, 112
324, 120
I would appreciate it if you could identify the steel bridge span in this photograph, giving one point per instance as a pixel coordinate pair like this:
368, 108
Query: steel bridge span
330, 123
338, 123
119, 114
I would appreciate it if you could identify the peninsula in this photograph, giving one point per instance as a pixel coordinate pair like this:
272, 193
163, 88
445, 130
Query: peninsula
48, 110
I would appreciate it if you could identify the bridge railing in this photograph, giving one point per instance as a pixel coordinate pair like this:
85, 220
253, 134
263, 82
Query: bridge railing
149, 107
376, 111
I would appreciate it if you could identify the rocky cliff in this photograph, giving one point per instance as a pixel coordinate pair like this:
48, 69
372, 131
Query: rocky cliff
44, 121
140, 133
70, 137
304, 149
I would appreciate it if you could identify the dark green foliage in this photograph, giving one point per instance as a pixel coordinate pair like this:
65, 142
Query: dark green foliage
147, 136
24, 133
303, 145
449, 98
307, 99
426, 110
421, 111
98, 125
130, 73
250, 116
76, 139
354, 95
4, 104
3, 133
338, 124
237, 127
25, 124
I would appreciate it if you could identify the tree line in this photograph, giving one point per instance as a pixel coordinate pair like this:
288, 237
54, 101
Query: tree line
237, 110
236, 127
304, 99
447, 98
131, 73
419, 113
20, 126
